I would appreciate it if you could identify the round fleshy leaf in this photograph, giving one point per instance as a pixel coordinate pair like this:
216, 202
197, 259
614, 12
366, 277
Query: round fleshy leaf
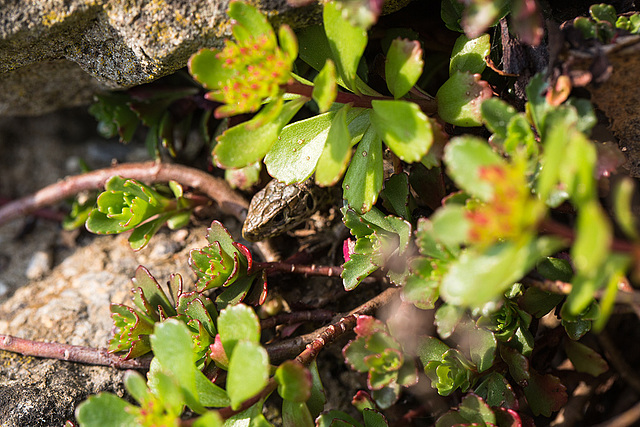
460, 97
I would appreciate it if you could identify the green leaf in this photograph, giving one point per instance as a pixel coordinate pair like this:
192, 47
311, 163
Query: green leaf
317, 400
480, 15
296, 414
482, 348
363, 180
451, 13
143, 233
622, 196
405, 129
478, 278
403, 66
302, 143
209, 419
468, 54
334, 418
173, 348
472, 411
496, 115
450, 226
288, 41
105, 410
431, 349
168, 392
603, 13
555, 269
465, 156
396, 194
356, 269
294, 381
593, 240
208, 70
136, 385
251, 19
447, 318
496, 391
545, 394
584, 359
245, 144
152, 292
337, 151
373, 418
238, 323
325, 88
248, 372
538, 302
460, 98
347, 43
114, 116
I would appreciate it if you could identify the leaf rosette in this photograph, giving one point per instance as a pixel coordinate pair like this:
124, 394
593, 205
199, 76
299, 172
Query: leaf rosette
221, 262
377, 353
249, 70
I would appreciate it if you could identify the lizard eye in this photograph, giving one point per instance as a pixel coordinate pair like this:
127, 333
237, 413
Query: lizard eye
279, 218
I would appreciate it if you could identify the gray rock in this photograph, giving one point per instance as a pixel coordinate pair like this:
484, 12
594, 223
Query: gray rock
57, 53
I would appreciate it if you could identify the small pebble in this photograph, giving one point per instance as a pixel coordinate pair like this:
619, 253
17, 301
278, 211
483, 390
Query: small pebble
39, 265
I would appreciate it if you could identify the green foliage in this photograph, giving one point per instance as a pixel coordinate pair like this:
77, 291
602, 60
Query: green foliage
603, 23
378, 354
469, 258
127, 204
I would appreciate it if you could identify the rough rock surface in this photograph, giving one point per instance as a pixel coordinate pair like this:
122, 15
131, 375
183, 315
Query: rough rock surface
56, 53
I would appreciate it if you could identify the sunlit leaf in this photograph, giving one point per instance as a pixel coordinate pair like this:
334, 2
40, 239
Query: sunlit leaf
363, 180
403, 66
248, 372
346, 41
460, 97
405, 129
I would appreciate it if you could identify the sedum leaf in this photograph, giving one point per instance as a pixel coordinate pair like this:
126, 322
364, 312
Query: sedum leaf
337, 151
325, 88
238, 323
248, 372
301, 143
468, 54
465, 156
478, 278
105, 410
294, 381
405, 129
363, 180
346, 41
460, 98
403, 66
246, 144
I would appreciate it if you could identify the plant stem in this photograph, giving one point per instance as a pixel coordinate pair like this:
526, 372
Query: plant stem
308, 270
71, 353
217, 189
429, 106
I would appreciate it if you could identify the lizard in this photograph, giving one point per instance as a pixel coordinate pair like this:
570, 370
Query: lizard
279, 207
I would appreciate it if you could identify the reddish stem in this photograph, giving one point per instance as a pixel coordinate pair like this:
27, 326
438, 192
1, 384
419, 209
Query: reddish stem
228, 200
429, 106
308, 270
72, 353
